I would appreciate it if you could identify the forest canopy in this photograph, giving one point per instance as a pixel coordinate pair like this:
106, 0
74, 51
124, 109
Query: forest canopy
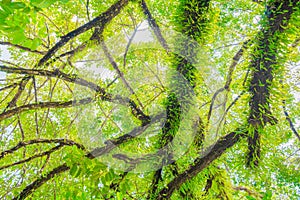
149, 99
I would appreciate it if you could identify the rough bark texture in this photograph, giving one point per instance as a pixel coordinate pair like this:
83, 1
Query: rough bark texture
278, 14
215, 151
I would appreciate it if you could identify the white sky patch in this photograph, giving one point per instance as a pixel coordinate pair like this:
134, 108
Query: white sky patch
2, 75
96, 71
4, 55
74, 18
143, 34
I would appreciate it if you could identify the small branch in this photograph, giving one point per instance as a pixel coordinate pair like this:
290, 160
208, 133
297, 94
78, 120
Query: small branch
226, 87
9, 86
40, 181
42, 105
135, 110
9, 63
129, 43
21, 88
36, 101
48, 35
212, 103
46, 153
115, 66
154, 26
65, 142
290, 121
22, 48
70, 53
8, 95
59, 29
111, 144
87, 10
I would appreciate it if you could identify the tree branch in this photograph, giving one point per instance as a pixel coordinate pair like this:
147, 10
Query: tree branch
45, 153
234, 63
40, 181
115, 66
102, 20
215, 151
290, 121
250, 192
79, 81
23, 48
154, 26
263, 60
21, 88
42, 105
66, 142
110, 144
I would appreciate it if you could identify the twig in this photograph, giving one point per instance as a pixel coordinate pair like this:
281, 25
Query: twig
35, 112
129, 43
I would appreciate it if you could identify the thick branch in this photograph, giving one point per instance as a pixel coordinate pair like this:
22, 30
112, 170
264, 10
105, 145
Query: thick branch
200, 163
179, 100
264, 59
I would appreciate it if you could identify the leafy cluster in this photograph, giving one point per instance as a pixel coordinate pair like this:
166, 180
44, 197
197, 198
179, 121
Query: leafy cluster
149, 99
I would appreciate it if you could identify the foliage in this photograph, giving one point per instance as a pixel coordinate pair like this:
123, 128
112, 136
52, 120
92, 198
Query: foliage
144, 99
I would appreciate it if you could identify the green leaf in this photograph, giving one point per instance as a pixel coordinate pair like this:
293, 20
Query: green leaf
73, 170
42, 3
6, 1
3, 15
250, 197
267, 195
78, 172
17, 5
36, 42
7, 8
119, 196
18, 36
64, 1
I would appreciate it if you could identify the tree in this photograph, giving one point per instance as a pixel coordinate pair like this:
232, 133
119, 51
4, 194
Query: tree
191, 99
